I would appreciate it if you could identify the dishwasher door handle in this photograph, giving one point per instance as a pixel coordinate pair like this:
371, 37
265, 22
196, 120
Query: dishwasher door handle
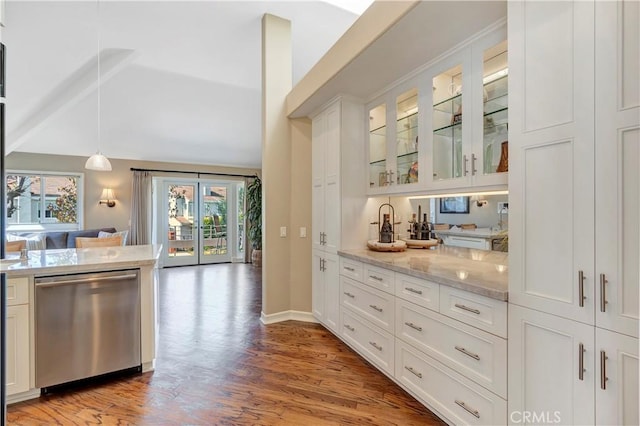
87, 280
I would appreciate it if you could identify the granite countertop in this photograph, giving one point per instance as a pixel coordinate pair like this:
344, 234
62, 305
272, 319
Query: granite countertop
478, 233
477, 271
60, 261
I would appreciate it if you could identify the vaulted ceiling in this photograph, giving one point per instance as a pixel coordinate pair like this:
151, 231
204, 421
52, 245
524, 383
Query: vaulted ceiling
180, 81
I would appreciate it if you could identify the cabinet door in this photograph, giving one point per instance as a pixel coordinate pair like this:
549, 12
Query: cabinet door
406, 152
377, 160
616, 379
617, 165
318, 142
332, 179
551, 183
17, 362
489, 119
332, 292
318, 290
544, 368
448, 142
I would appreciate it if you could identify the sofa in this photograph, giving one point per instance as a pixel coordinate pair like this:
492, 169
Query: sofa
59, 239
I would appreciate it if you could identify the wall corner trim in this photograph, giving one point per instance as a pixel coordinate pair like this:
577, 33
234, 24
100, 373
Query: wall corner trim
287, 316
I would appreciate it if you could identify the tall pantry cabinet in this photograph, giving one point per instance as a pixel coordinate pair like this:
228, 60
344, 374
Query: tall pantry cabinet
574, 190
337, 200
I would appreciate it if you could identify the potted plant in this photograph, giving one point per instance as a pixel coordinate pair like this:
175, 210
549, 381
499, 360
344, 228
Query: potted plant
254, 220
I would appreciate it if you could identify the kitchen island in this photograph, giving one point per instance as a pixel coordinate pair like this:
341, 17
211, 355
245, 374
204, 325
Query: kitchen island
22, 275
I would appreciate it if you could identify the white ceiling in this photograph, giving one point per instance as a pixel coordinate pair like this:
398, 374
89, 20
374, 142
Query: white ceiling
181, 80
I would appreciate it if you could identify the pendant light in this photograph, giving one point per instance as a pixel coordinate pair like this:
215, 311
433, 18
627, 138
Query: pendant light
98, 161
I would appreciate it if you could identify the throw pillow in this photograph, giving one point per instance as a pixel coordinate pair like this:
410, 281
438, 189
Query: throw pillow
34, 241
123, 234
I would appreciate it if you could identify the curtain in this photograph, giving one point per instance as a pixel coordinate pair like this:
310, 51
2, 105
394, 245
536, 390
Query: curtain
141, 214
245, 238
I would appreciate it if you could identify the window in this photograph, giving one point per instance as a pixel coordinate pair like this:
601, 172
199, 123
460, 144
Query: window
43, 201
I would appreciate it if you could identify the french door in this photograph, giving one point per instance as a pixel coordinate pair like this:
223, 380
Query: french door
197, 221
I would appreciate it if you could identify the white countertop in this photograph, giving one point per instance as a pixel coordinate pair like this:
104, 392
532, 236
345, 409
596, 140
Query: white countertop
477, 271
477, 233
61, 261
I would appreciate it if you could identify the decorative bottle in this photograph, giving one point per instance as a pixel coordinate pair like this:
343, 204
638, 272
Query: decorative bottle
386, 230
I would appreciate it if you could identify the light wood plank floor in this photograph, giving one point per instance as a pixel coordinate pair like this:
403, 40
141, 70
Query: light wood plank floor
218, 365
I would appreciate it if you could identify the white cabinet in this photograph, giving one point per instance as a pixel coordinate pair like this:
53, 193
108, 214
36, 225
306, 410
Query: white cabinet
336, 201
617, 162
551, 368
574, 199
17, 324
446, 128
325, 297
616, 379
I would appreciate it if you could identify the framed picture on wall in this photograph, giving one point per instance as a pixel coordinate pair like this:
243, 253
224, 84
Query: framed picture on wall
450, 205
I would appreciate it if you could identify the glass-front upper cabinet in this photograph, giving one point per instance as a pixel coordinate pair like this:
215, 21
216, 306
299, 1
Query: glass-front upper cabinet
378, 173
495, 115
447, 156
407, 137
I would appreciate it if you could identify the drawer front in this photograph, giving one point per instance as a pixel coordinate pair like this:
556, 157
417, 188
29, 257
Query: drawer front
469, 242
421, 292
479, 311
477, 355
380, 278
17, 291
351, 268
373, 305
372, 343
457, 398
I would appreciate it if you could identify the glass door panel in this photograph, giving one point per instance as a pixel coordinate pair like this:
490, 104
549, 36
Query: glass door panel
378, 146
407, 137
495, 97
215, 222
181, 223
447, 125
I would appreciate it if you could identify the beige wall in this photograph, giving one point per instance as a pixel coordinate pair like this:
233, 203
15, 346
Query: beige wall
99, 216
300, 214
276, 161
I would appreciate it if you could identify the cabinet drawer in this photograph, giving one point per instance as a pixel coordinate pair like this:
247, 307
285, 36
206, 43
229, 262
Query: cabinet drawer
419, 291
369, 341
351, 268
373, 305
479, 311
469, 242
17, 291
380, 278
457, 398
479, 356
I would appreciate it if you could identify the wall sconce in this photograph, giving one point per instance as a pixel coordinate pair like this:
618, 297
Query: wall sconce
481, 203
107, 197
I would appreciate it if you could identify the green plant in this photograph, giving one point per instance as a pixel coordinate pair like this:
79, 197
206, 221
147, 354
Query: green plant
254, 213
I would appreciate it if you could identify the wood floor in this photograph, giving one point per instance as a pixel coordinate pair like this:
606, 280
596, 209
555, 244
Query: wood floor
218, 365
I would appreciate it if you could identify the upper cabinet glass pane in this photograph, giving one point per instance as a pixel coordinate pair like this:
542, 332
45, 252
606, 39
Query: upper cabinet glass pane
447, 124
407, 137
495, 84
378, 146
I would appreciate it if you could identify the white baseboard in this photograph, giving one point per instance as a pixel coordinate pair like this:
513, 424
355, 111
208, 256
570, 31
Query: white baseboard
287, 316
23, 396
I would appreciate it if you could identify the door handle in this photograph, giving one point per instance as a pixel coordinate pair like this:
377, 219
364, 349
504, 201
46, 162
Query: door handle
473, 164
581, 296
581, 369
465, 160
603, 295
603, 370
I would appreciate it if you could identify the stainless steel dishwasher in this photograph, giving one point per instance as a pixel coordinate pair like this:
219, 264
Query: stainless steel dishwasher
86, 325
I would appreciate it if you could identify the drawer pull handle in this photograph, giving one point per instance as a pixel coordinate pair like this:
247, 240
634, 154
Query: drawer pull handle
349, 294
348, 327
468, 309
375, 308
581, 296
412, 325
412, 371
349, 269
467, 353
413, 290
603, 295
469, 410
373, 277
375, 345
